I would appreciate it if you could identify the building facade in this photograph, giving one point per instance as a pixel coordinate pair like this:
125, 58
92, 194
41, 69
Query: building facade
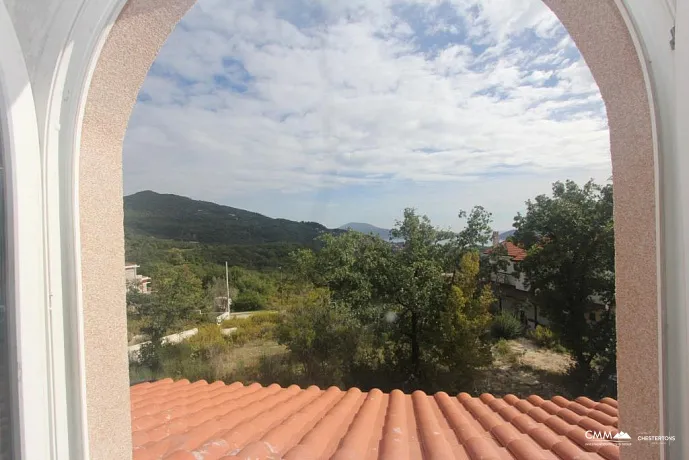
135, 281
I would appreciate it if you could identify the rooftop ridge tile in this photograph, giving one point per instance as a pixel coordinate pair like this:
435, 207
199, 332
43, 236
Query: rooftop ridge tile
330, 428
433, 442
357, 440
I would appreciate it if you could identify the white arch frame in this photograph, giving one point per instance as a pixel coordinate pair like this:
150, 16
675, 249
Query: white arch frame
25, 264
45, 157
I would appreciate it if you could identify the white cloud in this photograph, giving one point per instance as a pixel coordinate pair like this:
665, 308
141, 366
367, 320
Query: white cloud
252, 98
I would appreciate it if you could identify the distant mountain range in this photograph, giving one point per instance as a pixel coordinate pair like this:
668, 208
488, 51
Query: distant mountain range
368, 229
175, 217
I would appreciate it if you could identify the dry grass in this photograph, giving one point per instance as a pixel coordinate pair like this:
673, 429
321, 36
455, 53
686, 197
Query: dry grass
523, 369
541, 359
248, 355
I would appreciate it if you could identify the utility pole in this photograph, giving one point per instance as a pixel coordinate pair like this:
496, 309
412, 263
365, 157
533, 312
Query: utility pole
227, 285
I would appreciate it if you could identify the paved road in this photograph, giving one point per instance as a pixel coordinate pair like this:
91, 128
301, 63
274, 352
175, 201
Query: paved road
245, 314
242, 314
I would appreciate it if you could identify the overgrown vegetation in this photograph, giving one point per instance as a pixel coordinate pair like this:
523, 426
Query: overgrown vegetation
544, 337
349, 309
506, 326
570, 242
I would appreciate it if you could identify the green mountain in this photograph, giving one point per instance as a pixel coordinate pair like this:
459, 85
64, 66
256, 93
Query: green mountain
173, 217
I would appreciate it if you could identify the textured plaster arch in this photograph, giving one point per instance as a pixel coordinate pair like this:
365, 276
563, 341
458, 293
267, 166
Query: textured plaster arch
602, 35
131, 47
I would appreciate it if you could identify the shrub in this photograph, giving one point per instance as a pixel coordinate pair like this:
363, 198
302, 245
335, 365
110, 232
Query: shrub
249, 301
505, 326
502, 348
558, 348
508, 355
323, 336
208, 342
260, 325
546, 338
134, 326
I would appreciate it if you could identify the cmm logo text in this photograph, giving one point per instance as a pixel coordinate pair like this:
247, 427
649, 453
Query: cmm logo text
607, 436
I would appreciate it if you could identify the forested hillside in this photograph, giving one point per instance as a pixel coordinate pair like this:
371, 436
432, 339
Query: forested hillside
174, 217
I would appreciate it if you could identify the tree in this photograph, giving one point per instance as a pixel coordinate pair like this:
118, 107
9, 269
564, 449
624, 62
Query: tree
404, 297
472, 238
570, 242
177, 293
465, 322
415, 283
492, 267
477, 231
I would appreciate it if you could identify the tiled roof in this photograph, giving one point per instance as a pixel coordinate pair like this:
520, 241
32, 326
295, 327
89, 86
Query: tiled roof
513, 251
192, 421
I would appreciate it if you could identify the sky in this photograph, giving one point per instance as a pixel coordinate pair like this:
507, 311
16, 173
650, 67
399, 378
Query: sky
342, 111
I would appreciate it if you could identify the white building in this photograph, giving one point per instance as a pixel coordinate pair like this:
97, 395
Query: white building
514, 288
134, 280
513, 291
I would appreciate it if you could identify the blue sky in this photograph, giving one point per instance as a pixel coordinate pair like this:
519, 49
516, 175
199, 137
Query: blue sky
338, 111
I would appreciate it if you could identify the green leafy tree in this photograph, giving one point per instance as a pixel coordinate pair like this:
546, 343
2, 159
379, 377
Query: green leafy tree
405, 298
177, 294
353, 266
493, 265
472, 238
570, 242
465, 322
415, 284
477, 231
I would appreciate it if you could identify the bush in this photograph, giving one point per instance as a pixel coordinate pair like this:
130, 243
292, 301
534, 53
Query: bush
323, 336
546, 338
260, 325
264, 317
505, 326
502, 348
208, 342
134, 326
182, 361
249, 301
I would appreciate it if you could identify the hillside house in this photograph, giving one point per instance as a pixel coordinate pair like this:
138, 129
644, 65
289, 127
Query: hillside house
513, 289
135, 281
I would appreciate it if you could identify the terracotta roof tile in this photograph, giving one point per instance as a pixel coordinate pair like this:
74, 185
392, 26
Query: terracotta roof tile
188, 421
513, 251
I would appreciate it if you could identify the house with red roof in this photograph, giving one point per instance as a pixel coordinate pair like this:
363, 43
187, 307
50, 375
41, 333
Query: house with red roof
513, 291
